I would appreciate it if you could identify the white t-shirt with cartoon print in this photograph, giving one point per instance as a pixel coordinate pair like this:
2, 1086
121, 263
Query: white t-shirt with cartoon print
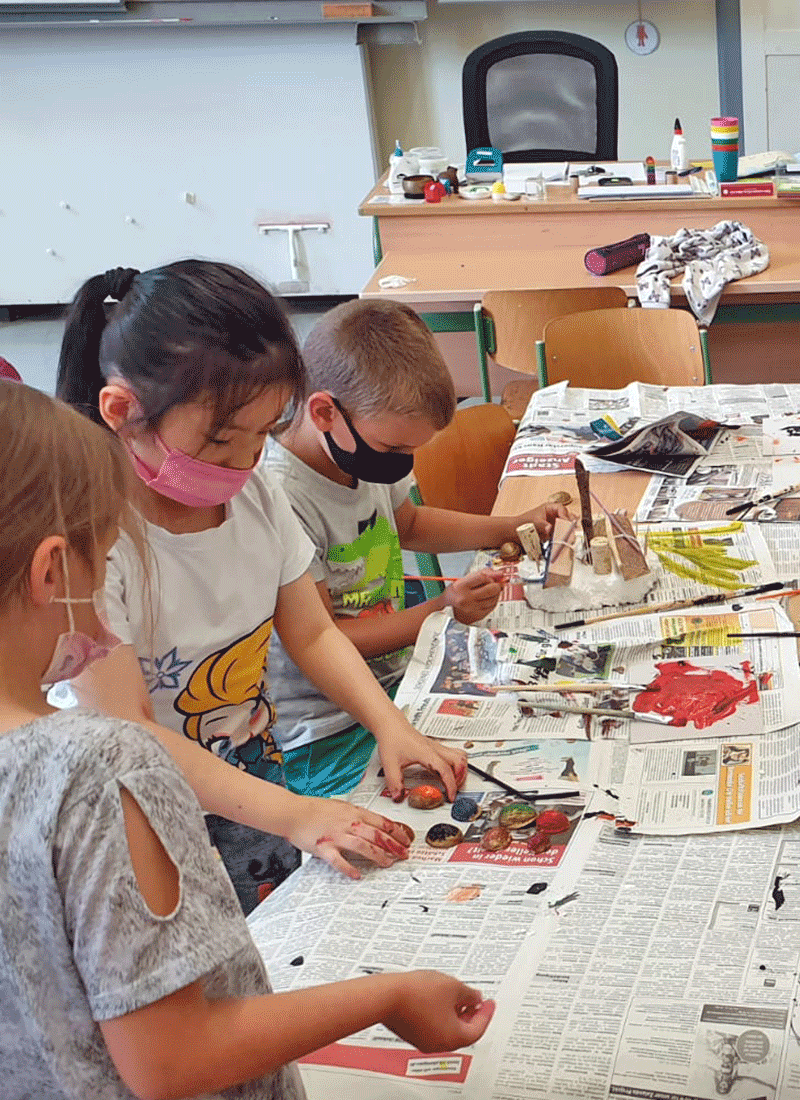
357, 554
214, 596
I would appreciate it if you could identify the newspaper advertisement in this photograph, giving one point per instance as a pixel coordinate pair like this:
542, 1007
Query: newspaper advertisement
557, 424
670, 975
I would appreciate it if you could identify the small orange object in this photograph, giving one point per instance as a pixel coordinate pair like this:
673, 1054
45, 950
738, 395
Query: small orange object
348, 11
425, 797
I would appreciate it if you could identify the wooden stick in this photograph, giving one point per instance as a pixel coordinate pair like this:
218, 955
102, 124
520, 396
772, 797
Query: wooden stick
587, 522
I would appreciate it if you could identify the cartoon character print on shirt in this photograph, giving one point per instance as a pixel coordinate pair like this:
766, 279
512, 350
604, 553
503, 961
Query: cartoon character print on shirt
227, 706
367, 573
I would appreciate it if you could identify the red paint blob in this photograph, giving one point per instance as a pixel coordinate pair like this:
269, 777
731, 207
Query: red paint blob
685, 693
552, 821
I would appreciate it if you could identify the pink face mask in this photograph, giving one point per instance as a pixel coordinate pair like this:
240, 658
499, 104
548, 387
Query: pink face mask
75, 651
190, 481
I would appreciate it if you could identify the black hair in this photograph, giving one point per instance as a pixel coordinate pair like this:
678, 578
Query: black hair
188, 330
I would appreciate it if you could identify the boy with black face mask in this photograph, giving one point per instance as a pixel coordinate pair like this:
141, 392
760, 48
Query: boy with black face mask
378, 389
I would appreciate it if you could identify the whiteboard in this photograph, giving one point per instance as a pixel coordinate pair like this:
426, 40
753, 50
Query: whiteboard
105, 130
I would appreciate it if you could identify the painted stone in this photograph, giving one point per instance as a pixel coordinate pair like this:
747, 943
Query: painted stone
517, 815
425, 798
412, 836
552, 821
510, 551
494, 840
538, 842
465, 809
443, 835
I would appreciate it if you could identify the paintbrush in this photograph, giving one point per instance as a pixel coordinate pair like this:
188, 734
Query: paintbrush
604, 712
766, 499
513, 790
675, 605
768, 634
567, 688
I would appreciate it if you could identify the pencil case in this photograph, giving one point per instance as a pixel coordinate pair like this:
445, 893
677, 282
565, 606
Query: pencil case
613, 257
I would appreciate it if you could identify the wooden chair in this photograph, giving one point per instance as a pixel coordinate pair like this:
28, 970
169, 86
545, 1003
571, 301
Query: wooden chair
608, 348
509, 326
460, 469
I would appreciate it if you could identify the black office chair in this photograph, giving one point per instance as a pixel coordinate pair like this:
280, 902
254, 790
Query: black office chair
542, 96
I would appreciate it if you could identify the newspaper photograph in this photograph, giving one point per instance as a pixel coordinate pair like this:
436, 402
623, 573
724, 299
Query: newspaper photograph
672, 446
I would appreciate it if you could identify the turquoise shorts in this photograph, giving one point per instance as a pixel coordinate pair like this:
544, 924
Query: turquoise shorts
333, 765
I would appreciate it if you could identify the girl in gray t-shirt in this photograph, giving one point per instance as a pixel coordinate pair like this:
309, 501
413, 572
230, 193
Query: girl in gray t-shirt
126, 965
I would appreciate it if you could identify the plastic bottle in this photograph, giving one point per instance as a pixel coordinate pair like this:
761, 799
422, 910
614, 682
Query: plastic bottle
400, 164
677, 154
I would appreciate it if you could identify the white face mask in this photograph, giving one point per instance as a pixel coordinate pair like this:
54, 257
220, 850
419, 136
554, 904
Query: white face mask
75, 650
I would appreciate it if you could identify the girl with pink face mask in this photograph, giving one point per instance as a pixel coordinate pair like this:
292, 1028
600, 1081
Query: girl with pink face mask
126, 965
192, 369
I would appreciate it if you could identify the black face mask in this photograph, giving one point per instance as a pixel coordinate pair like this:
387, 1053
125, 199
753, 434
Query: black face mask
365, 463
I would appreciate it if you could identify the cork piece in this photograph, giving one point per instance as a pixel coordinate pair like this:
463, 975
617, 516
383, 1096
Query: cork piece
587, 523
562, 554
631, 558
601, 557
529, 541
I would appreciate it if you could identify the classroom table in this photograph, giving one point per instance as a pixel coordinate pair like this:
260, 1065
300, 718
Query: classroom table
458, 249
636, 905
562, 220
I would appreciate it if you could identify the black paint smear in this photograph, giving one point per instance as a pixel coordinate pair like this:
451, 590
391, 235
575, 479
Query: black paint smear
778, 895
536, 888
298, 960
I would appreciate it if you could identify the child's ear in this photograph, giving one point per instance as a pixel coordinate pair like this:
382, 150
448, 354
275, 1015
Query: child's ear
118, 405
46, 575
321, 410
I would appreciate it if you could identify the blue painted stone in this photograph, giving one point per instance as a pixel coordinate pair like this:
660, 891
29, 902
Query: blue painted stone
465, 809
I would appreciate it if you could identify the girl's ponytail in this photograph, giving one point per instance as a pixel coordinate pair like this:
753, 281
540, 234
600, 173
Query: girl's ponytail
79, 376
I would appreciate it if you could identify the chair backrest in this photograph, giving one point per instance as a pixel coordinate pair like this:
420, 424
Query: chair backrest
608, 348
461, 466
542, 96
519, 318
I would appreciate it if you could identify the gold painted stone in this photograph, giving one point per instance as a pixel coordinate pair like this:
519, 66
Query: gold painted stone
425, 797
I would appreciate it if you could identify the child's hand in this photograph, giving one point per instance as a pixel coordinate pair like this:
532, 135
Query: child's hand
328, 826
435, 1012
542, 518
403, 746
474, 596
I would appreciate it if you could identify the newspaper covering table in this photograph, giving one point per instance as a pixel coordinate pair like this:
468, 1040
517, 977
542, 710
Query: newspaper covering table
761, 455
651, 951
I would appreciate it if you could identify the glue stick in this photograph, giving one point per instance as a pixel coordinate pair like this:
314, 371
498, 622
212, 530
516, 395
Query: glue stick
677, 155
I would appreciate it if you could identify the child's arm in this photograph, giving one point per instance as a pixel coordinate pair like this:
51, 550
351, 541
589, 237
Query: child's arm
331, 662
471, 598
326, 827
439, 531
186, 1045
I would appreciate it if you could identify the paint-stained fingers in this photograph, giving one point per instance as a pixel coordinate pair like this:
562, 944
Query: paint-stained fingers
327, 851
385, 824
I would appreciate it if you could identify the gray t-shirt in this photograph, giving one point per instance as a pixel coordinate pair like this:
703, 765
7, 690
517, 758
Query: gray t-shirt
357, 553
77, 941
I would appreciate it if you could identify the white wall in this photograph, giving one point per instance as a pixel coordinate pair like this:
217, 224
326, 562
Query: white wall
417, 89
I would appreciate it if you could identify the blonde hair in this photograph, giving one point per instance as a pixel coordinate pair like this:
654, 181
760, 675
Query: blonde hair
379, 357
61, 475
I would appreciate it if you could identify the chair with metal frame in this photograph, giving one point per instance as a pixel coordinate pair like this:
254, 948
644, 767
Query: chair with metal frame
509, 326
542, 96
608, 348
